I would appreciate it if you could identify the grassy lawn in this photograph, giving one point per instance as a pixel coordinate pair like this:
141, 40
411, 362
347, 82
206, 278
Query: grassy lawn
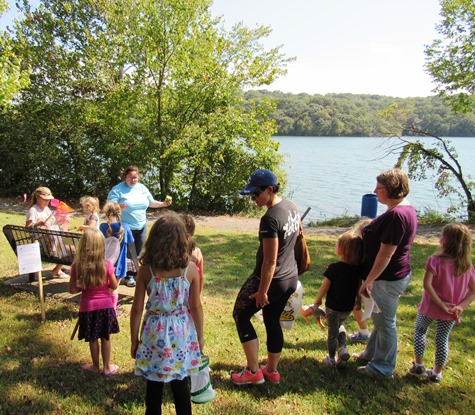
40, 369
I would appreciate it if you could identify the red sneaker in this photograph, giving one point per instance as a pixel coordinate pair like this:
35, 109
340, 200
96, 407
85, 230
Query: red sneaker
273, 377
246, 377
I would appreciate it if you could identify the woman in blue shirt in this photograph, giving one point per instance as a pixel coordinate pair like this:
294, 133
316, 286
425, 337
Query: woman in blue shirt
134, 199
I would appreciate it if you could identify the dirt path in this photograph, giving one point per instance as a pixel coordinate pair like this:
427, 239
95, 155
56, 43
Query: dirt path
238, 223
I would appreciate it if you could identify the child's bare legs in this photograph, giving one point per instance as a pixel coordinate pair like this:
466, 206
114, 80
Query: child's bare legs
105, 350
56, 270
358, 314
94, 349
106, 347
363, 332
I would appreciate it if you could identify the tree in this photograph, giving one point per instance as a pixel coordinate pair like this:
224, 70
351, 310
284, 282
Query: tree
441, 157
12, 76
451, 59
190, 75
152, 83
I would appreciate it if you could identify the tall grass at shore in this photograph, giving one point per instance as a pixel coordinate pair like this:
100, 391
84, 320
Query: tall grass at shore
40, 369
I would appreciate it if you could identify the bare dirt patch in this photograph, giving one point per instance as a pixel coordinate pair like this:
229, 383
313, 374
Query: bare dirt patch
236, 222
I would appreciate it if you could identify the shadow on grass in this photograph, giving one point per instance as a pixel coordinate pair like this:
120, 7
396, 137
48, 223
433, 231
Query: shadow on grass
34, 380
41, 373
304, 376
308, 378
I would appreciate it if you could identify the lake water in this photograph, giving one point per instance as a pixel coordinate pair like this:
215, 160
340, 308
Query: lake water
331, 174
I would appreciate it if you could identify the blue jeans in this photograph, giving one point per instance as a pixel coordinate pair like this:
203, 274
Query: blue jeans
139, 237
381, 350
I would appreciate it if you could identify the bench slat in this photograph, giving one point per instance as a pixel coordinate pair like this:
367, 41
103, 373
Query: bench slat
56, 247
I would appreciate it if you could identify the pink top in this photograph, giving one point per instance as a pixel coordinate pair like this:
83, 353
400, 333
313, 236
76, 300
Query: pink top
96, 298
448, 287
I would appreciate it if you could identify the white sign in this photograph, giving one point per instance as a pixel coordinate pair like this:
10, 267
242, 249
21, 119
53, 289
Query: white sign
29, 258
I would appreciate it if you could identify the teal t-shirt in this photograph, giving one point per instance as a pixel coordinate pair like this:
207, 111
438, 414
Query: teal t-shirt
136, 198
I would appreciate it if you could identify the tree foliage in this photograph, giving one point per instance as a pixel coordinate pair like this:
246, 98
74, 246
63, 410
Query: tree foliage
353, 115
152, 83
439, 157
451, 58
12, 76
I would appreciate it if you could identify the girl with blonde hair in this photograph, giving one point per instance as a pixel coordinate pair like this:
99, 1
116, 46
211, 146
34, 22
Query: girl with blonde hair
93, 277
449, 287
115, 228
90, 207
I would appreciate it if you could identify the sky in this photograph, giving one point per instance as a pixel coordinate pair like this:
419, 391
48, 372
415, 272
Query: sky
341, 46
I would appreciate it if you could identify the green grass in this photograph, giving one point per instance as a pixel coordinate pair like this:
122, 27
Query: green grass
40, 369
426, 217
343, 221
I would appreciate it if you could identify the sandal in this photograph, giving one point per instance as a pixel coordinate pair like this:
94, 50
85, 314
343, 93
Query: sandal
60, 274
114, 372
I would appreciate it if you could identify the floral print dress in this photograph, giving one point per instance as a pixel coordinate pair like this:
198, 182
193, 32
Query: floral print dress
168, 348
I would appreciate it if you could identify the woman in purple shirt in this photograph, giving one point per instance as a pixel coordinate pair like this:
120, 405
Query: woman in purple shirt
388, 240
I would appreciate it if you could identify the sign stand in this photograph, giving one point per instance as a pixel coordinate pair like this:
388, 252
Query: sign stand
29, 260
41, 295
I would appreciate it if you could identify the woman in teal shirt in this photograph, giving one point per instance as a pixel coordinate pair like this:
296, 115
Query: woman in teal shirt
134, 199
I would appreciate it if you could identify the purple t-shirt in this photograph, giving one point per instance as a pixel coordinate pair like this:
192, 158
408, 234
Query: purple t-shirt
447, 286
398, 227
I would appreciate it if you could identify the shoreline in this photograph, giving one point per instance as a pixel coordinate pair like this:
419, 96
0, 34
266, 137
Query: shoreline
240, 223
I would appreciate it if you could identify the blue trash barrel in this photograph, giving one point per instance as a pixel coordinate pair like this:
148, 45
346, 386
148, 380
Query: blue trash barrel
369, 205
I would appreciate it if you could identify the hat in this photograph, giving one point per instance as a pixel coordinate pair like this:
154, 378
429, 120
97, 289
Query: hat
260, 178
44, 193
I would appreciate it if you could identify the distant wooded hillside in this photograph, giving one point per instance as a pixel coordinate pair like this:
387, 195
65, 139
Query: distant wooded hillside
359, 115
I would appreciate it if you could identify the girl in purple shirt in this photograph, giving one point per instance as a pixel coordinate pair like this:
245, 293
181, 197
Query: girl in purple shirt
93, 277
449, 287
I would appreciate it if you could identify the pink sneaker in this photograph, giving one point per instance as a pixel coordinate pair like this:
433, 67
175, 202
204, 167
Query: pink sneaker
246, 377
273, 377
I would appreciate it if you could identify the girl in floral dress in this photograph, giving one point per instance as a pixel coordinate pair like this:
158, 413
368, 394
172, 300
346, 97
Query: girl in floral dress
169, 349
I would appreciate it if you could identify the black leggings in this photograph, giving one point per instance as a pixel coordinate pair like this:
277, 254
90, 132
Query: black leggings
245, 307
181, 397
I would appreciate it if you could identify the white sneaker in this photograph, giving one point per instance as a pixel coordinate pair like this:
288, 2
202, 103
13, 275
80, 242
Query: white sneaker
328, 361
419, 371
343, 357
434, 376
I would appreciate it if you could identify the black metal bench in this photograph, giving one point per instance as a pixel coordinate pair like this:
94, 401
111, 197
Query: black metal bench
56, 247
